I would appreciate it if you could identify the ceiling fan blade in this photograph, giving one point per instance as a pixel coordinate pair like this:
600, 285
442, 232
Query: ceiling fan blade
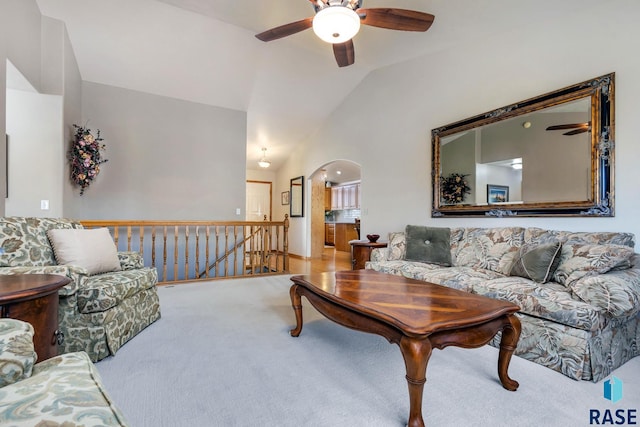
344, 53
285, 30
577, 131
569, 126
396, 19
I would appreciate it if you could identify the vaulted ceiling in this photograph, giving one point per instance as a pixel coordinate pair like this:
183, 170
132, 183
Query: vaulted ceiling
205, 51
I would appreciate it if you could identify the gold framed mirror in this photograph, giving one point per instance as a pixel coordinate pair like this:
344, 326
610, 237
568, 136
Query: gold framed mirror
548, 155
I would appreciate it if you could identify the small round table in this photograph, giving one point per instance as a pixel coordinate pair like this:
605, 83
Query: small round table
33, 298
361, 252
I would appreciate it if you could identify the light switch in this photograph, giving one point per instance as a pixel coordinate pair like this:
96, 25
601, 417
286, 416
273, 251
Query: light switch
237, 211
44, 205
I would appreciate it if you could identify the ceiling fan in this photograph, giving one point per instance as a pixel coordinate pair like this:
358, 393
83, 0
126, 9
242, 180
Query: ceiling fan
577, 128
337, 21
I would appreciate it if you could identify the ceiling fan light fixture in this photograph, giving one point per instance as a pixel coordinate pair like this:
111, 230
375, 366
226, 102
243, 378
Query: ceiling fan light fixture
264, 163
517, 164
336, 24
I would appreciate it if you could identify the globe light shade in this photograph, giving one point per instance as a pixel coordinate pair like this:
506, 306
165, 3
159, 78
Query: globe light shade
263, 162
336, 24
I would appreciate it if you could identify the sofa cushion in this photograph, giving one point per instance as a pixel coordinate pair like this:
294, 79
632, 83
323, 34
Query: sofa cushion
552, 301
40, 251
461, 278
17, 355
397, 246
104, 291
579, 260
93, 249
428, 244
24, 241
12, 245
616, 293
489, 248
534, 235
537, 262
63, 391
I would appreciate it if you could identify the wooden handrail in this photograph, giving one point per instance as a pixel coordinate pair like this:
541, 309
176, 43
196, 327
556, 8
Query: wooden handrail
241, 248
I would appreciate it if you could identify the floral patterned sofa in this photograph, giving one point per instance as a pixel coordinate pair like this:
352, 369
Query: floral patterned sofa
583, 322
98, 313
62, 391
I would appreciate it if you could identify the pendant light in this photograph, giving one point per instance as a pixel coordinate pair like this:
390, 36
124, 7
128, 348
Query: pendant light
264, 163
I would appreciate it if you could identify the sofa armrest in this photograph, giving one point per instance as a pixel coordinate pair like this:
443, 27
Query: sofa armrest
130, 260
69, 271
616, 292
378, 254
17, 354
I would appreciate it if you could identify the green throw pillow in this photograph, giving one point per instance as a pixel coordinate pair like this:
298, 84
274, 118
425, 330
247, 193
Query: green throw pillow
428, 244
537, 263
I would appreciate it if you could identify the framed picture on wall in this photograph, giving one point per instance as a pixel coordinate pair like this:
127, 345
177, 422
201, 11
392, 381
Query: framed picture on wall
497, 193
284, 198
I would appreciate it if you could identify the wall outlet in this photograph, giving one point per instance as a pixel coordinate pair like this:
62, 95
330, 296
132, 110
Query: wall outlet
44, 205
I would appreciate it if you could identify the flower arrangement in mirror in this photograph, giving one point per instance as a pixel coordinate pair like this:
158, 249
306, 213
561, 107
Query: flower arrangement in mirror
85, 157
454, 187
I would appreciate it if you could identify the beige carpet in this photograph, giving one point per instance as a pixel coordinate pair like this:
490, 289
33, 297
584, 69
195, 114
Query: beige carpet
222, 356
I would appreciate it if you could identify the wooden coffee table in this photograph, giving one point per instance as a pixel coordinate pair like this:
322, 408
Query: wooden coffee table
416, 315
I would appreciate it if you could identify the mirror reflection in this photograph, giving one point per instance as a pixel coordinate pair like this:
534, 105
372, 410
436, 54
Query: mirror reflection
297, 197
526, 154
544, 156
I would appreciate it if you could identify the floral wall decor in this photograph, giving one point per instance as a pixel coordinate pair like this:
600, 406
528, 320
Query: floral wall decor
85, 157
454, 187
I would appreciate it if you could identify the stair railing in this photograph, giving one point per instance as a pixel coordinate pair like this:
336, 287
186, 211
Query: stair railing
179, 249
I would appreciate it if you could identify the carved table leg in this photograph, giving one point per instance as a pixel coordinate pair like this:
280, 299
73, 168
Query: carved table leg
416, 355
296, 302
508, 343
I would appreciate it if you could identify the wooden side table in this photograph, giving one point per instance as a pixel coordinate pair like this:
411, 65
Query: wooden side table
33, 298
361, 252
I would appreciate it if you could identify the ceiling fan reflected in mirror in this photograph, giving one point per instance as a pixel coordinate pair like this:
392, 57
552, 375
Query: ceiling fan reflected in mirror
338, 21
576, 128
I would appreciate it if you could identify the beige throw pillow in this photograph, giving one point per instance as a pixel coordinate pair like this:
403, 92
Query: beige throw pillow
92, 249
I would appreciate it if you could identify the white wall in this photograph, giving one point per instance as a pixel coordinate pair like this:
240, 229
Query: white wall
40, 49
34, 126
395, 109
168, 159
20, 43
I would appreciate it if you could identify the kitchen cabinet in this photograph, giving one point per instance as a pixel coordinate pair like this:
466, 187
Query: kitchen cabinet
345, 197
344, 233
336, 198
327, 199
350, 196
329, 234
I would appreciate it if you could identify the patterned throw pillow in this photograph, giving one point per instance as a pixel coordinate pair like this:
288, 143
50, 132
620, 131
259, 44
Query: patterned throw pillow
396, 247
582, 260
537, 262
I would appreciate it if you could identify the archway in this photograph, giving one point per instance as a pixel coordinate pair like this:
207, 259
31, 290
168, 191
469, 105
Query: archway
336, 173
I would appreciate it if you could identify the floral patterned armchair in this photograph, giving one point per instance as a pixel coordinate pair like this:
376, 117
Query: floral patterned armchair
64, 390
98, 313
